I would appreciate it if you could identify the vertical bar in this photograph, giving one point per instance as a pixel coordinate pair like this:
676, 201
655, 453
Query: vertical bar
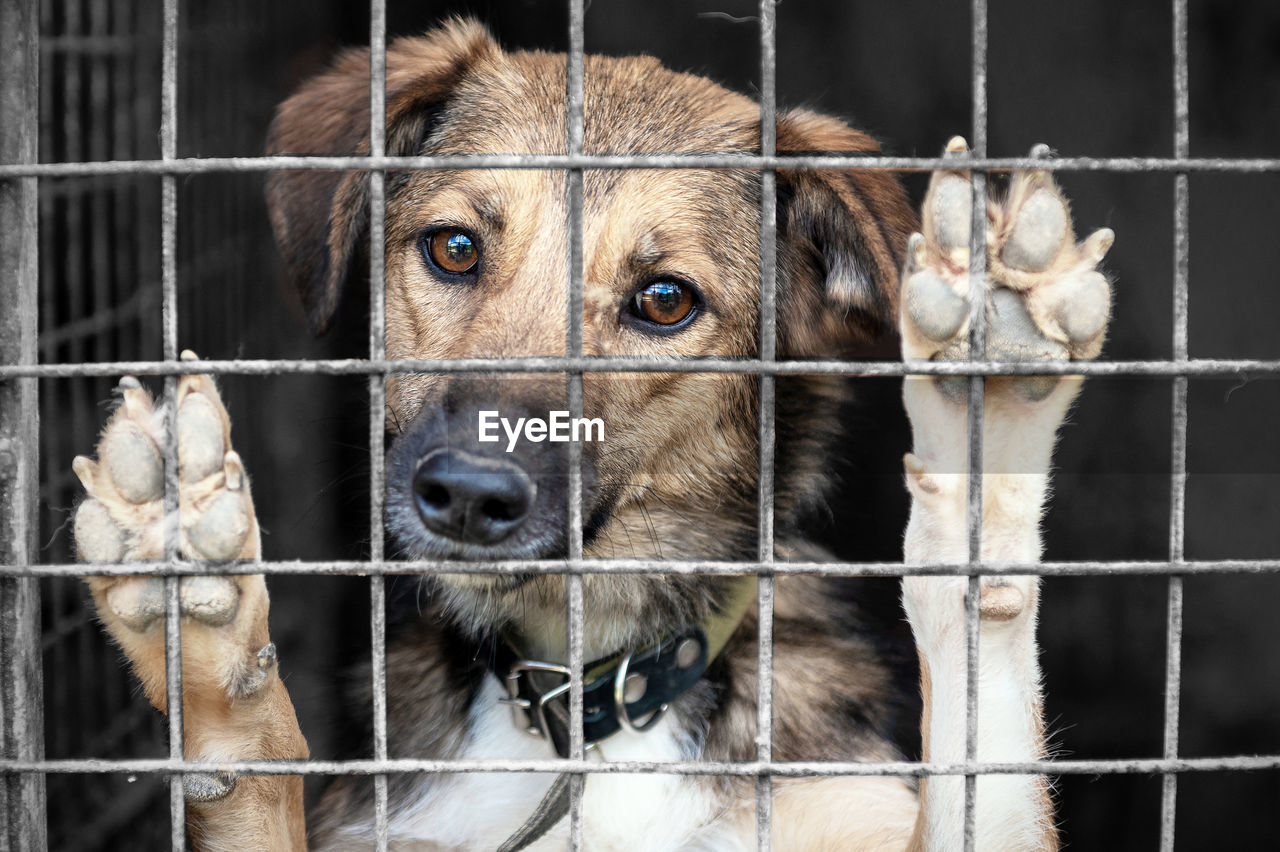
575, 616
102, 251
169, 334
377, 404
977, 400
74, 132
768, 425
1178, 477
22, 796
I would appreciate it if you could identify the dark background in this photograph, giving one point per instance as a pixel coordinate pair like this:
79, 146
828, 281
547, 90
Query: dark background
1091, 78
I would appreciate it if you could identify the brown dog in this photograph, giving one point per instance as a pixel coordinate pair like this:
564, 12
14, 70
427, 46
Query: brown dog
475, 267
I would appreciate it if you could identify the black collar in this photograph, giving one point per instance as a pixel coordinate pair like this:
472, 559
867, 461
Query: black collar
631, 689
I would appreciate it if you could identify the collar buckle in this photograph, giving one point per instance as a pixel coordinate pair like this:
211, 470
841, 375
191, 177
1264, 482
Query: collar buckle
620, 699
529, 710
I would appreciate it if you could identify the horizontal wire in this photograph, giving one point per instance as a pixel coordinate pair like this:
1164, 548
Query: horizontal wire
209, 165
755, 768
642, 566
562, 364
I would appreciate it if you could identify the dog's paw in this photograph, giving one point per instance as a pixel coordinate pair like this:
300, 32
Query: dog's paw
1044, 297
226, 651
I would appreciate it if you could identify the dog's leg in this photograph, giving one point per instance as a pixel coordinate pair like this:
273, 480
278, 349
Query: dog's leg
1044, 299
234, 704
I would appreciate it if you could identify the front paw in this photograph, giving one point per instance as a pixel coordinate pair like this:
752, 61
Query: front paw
1044, 298
225, 644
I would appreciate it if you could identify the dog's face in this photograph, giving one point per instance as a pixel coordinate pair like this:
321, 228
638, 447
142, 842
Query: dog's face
476, 266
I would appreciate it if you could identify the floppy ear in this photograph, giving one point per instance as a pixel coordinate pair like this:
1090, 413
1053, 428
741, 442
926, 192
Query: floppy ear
319, 217
841, 238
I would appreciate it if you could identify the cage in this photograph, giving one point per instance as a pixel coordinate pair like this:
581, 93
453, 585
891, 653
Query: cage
131, 225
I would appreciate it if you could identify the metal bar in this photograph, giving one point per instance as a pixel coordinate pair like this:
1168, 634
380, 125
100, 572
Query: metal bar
169, 332
1204, 367
575, 616
768, 418
976, 410
71, 264
210, 165
22, 796
359, 568
103, 250
744, 769
1178, 477
377, 404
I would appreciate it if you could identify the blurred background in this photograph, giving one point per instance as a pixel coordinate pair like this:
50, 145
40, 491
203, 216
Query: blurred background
1091, 78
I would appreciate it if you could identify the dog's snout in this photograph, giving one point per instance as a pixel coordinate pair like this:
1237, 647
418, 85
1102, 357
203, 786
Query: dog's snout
470, 498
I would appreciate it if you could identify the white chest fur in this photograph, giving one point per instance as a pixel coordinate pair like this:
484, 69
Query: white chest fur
620, 811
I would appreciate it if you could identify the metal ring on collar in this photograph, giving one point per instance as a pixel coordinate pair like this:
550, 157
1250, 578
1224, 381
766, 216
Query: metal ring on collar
620, 701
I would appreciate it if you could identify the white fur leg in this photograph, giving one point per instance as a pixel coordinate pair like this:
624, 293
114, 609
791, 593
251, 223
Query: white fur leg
1013, 812
1043, 299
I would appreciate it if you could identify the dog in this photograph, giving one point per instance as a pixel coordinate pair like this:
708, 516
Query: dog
476, 267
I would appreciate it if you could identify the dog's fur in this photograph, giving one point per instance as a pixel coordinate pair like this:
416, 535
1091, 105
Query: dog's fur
676, 476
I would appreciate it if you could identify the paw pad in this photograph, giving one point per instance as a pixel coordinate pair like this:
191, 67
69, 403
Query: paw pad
1001, 602
952, 214
205, 787
200, 441
1039, 231
221, 530
98, 539
211, 600
139, 601
133, 463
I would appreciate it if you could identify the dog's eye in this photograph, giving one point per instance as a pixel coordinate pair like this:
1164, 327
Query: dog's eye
452, 251
664, 303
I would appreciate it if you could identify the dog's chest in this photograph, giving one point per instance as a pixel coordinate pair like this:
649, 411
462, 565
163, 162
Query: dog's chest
621, 811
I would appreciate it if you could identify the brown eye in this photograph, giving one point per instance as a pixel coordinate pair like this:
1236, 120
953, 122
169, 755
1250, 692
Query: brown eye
664, 303
453, 252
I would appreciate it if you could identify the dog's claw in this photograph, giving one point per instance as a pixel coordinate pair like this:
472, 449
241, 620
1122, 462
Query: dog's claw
233, 469
252, 680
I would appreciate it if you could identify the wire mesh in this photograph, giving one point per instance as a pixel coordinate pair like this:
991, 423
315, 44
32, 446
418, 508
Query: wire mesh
66, 354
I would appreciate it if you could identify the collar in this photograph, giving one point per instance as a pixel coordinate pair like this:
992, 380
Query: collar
628, 690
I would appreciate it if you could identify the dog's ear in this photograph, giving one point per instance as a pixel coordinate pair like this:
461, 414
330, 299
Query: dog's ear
318, 216
841, 238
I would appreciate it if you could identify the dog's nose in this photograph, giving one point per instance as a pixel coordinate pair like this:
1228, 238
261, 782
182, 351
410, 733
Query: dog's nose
471, 498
